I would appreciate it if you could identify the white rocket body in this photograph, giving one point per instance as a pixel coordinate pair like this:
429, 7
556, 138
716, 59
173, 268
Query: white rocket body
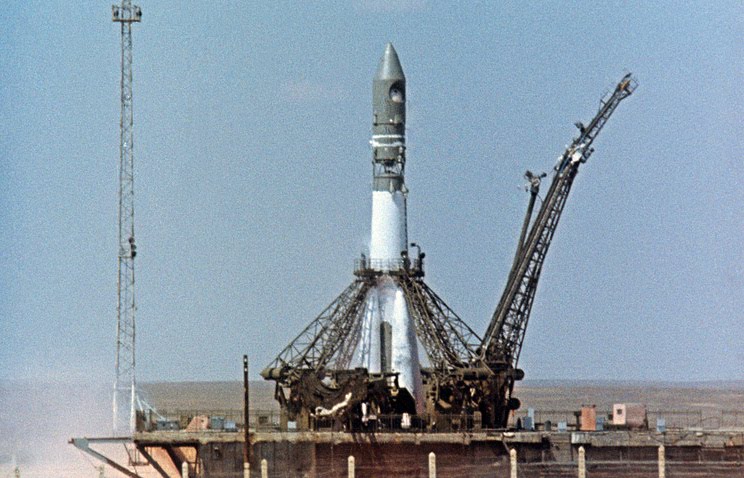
389, 236
389, 304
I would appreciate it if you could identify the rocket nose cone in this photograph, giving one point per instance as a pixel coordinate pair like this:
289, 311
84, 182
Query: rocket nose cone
390, 68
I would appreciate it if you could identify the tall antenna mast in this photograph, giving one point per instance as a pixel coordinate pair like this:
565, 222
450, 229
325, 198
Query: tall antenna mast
125, 394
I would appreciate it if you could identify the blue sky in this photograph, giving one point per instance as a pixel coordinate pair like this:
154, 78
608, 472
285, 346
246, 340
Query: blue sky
253, 177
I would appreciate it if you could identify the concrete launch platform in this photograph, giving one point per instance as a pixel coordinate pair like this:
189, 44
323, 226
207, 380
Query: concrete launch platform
546, 454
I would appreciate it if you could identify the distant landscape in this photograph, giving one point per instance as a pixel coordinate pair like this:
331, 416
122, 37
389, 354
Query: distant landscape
37, 419
537, 394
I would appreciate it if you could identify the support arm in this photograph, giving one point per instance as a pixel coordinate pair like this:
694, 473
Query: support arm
503, 340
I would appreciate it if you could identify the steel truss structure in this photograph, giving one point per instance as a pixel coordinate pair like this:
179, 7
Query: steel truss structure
329, 341
504, 337
125, 394
314, 367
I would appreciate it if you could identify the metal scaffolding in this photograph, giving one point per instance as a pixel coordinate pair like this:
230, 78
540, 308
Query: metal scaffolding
125, 394
503, 340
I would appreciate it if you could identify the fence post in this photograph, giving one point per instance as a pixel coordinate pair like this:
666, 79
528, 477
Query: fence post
352, 468
185, 469
264, 468
513, 462
432, 465
582, 462
662, 462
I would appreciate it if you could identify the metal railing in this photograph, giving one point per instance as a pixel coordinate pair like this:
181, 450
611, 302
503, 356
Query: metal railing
400, 424
386, 265
672, 419
270, 420
213, 419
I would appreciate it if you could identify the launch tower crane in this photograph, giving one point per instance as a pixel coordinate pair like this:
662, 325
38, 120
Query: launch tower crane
125, 400
502, 342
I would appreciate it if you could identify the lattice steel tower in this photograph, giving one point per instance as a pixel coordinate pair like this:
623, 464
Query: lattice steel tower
125, 401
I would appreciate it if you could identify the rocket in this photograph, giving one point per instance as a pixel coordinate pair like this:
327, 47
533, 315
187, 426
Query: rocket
389, 231
389, 341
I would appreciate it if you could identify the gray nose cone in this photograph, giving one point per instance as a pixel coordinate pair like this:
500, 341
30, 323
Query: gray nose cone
389, 115
390, 68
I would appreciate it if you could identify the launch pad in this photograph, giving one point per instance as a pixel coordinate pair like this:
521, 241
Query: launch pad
210, 443
353, 381
359, 358
358, 398
472, 454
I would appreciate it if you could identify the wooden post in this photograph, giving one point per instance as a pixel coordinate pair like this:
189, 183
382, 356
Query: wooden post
432, 465
662, 462
351, 467
264, 468
185, 469
246, 470
582, 462
513, 462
